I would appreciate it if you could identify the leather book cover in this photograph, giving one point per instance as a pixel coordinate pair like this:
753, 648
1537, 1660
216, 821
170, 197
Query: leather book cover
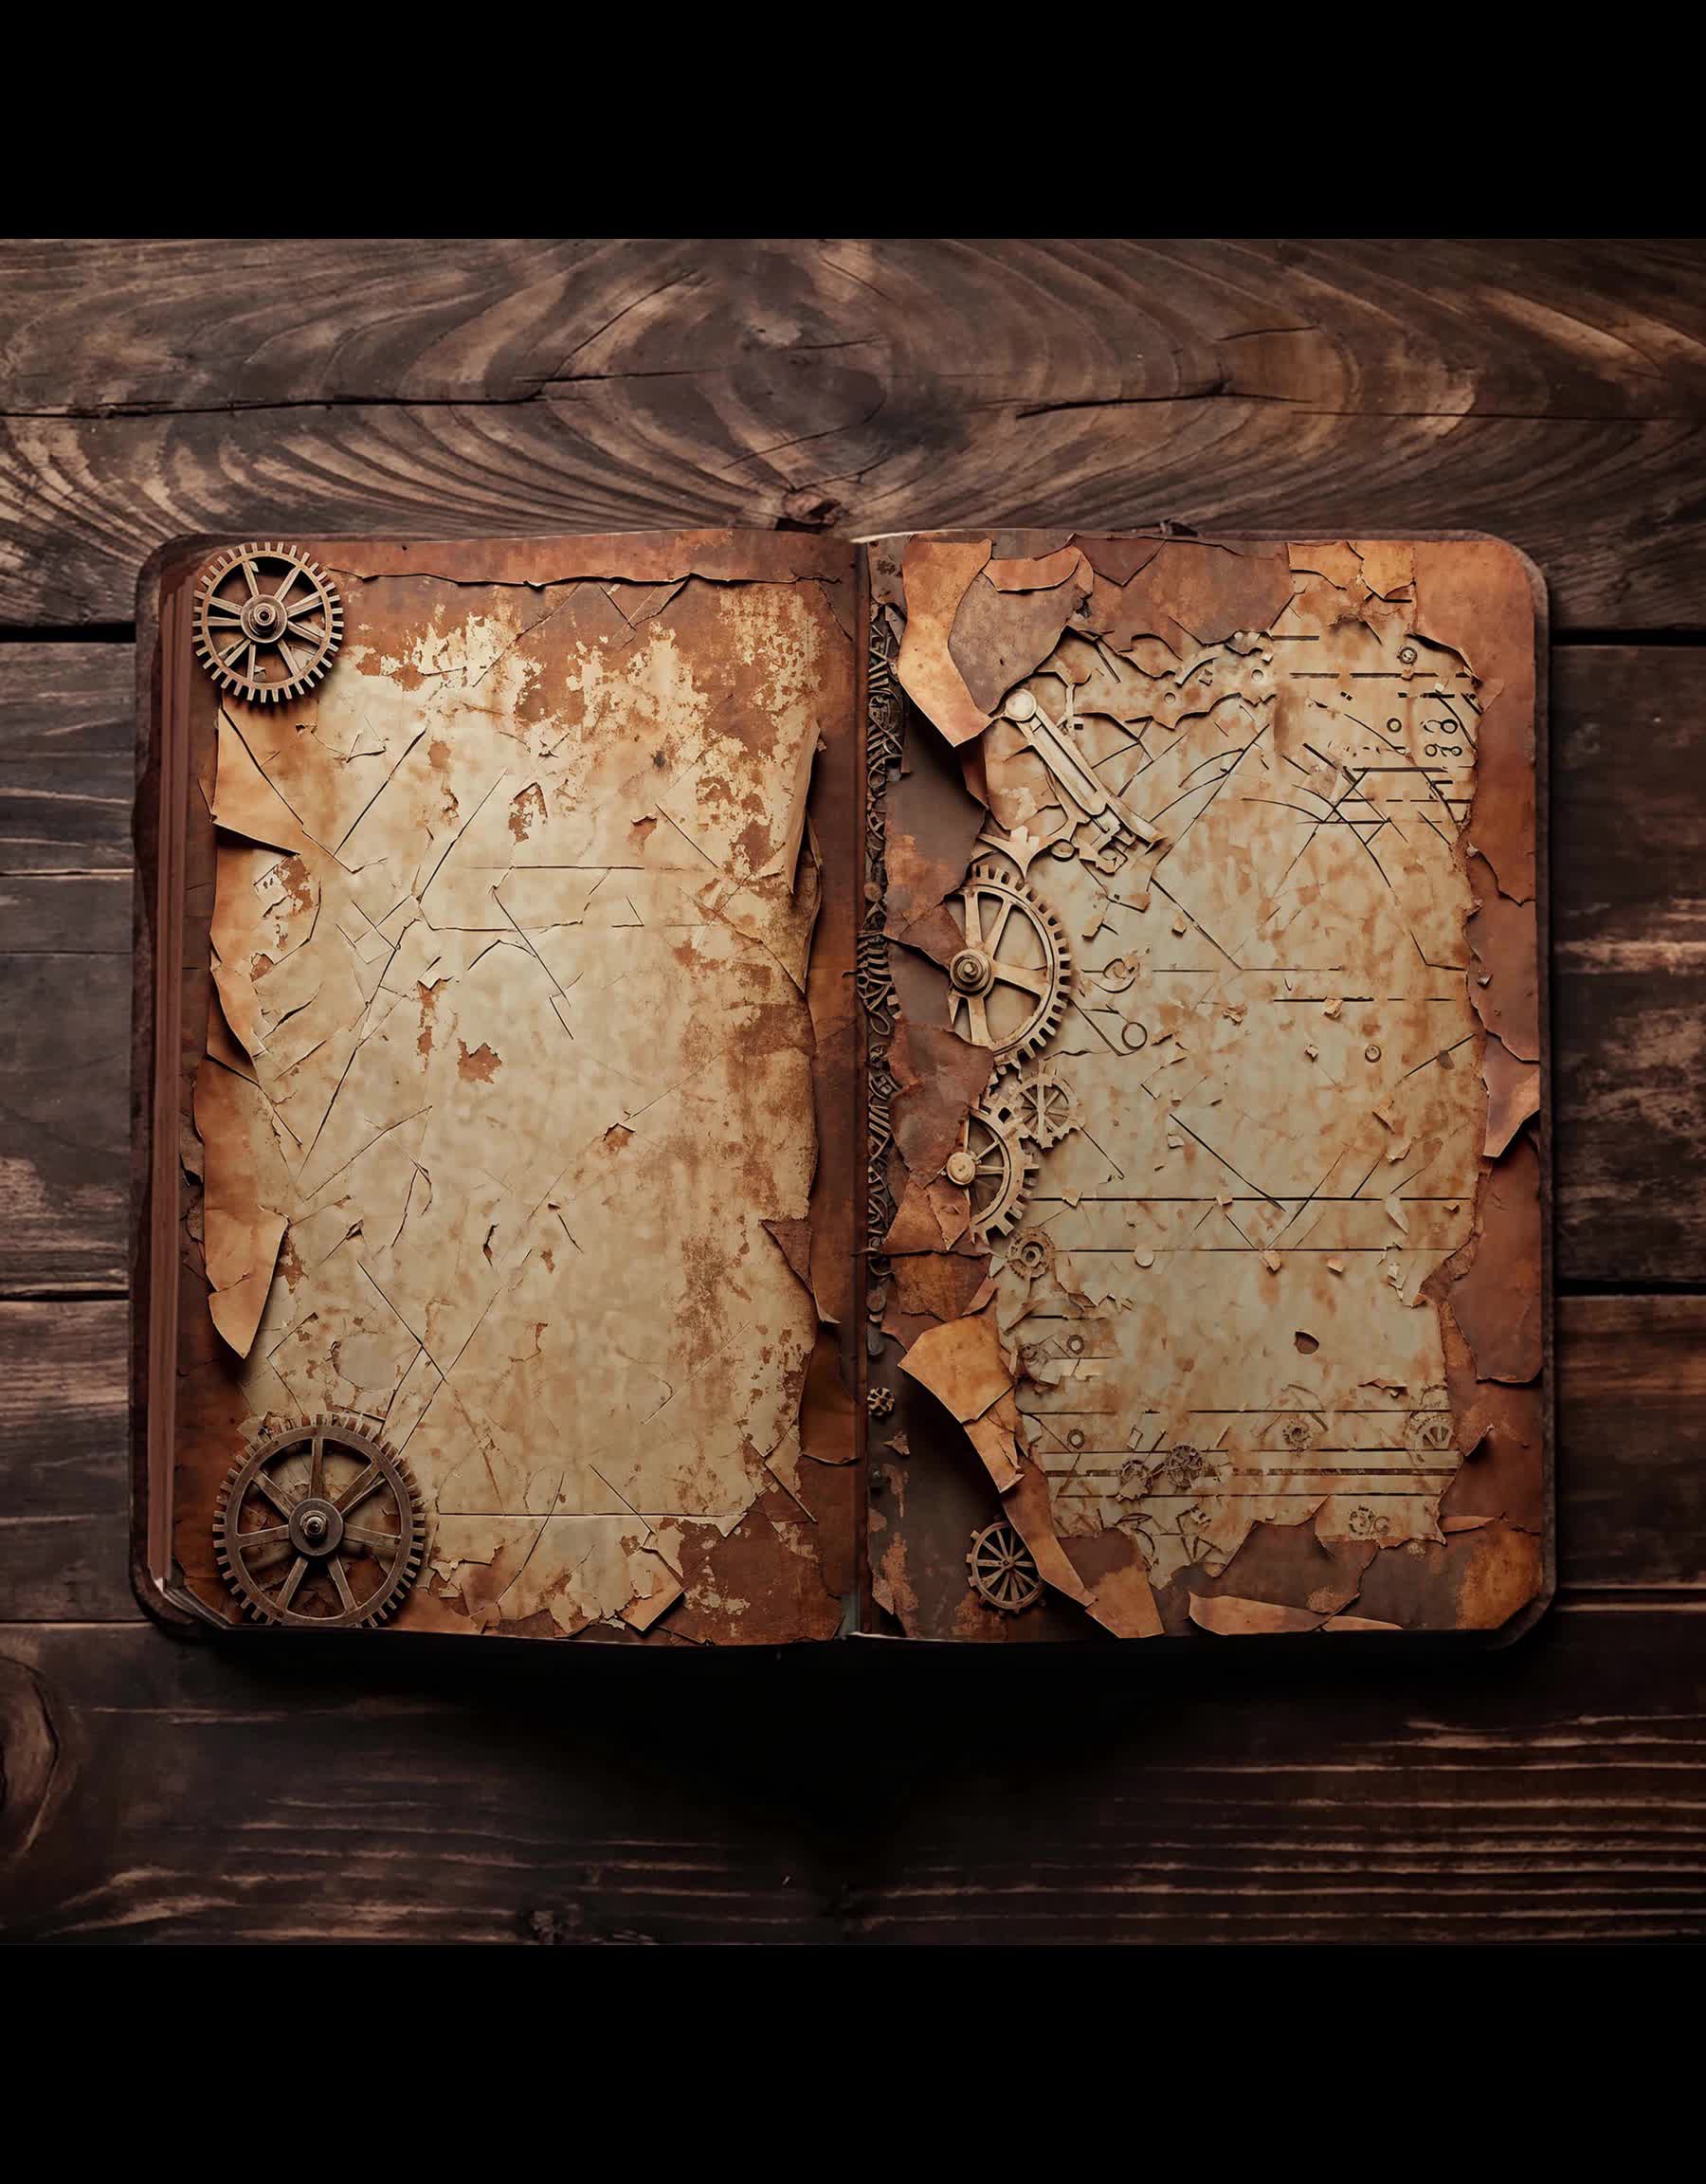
719, 1088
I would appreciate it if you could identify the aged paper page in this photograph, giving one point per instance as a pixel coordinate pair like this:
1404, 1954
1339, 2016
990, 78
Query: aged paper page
525, 1027
1212, 863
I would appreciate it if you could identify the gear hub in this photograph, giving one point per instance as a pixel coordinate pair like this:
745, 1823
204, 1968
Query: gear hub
1003, 1570
268, 622
1010, 982
319, 1527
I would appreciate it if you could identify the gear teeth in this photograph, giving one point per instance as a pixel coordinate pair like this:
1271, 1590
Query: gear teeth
1001, 1570
1020, 1166
323, 648
250, 1590
1045, 1020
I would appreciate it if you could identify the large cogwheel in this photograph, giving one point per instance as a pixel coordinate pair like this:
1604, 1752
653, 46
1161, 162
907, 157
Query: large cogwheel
319, 1527
268, 622
996, 1165
1010, 980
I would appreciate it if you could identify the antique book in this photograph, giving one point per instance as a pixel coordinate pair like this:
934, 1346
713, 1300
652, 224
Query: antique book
732, 1087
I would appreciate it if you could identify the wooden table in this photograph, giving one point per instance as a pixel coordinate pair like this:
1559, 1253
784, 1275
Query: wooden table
1555, 393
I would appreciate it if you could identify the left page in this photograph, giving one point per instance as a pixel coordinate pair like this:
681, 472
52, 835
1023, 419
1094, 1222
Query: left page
512, 1189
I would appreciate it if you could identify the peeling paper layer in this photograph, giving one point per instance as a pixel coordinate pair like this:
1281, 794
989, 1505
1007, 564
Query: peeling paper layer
1258, 1200
529, 1066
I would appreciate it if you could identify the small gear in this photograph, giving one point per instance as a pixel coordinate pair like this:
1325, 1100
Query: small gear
1003, 1570
997, 1166
1012, 977
1046, 1105
880, 1401
285, 1531
1428, 1432
1030, 1255
268, 622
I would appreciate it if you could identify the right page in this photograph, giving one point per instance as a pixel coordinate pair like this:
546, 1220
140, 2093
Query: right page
1206, 1241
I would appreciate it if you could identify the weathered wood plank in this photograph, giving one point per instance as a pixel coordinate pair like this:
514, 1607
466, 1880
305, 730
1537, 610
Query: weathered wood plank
1553, 392
1631, 1453
66, 913
1629, 960
1629, 982
65, 1474
176, 1792
66, 737
1632, 1441
64, 1130
1535, 328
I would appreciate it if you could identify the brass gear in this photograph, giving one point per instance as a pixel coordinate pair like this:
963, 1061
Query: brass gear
1042, 1103
1003, 1570
1429, 1433
1030, 1255
1011, 978
996, 1165
269, 621
305, 1484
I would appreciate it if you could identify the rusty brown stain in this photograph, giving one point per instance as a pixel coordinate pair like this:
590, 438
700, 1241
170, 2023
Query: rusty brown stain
527, 808
1158, 602
480, 1066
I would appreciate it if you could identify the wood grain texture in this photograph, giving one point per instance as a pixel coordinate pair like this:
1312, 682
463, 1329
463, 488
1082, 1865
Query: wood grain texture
65, 1152
66, 740
1552, 393
1555, 393
66, 737
1628, 853
1552, 1792
64, 1480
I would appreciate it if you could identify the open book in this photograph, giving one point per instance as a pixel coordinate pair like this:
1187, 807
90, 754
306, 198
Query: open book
734, 1087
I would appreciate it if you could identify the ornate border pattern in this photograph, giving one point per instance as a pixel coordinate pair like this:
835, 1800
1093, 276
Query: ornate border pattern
885, 734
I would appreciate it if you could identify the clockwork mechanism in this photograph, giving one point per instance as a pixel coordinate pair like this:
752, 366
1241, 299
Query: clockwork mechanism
996, 1165
268, 622
1003, 1570
319, 1527
1012, 977
1041, 1105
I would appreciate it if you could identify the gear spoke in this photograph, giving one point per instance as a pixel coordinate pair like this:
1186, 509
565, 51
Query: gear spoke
281, 1501
285, 638
310, 1586
1003, 1570
358, 1489
1034, 981
992, 938
361, 1536
1022, 974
